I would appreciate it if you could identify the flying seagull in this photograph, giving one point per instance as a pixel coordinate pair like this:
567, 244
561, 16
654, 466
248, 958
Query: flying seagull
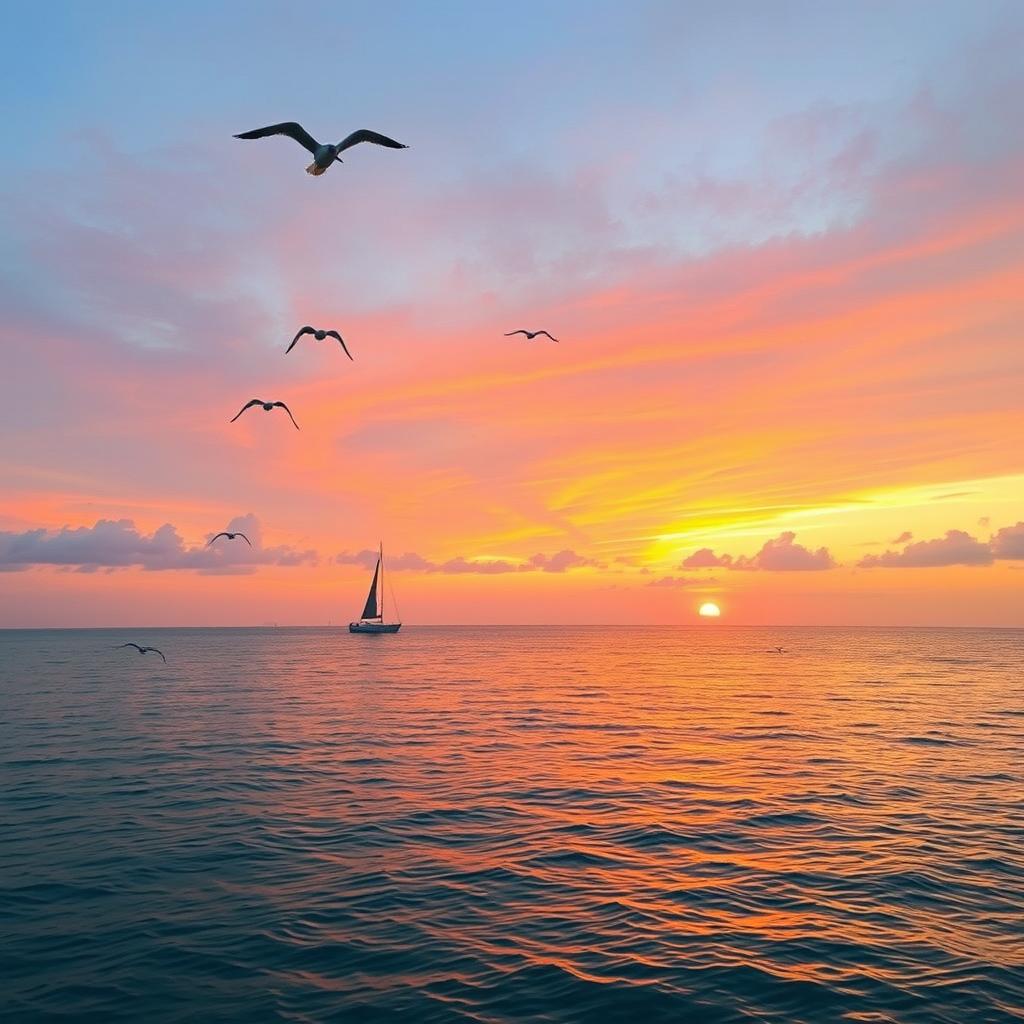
267, 406
319, 335
530, 335
144, 650
230, 536
324, 153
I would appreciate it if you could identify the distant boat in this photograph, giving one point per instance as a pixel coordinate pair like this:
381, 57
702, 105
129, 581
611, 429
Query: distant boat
372, 619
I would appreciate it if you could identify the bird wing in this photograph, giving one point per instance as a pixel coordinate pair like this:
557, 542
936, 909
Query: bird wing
129, 644
155, 651
246, 539
510, 333
287, 410
292, 129
365, 135
305, 330
335, 334
545, 333
248, 405
215, 536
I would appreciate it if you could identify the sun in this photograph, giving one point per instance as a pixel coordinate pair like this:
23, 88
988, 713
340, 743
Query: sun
709, 610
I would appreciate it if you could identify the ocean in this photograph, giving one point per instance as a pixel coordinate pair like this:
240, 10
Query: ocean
513, 824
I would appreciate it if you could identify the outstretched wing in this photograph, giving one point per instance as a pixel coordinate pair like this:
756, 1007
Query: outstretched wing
546, 335
511, 333
155, 651
365, 135
335, 334
136, 646
305, 330
215, 536
246, 539
287, 410
292, 129
248, 405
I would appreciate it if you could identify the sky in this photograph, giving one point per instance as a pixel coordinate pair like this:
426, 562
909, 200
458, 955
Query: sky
781, 246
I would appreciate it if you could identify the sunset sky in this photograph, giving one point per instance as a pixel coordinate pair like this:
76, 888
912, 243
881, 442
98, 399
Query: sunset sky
782, 246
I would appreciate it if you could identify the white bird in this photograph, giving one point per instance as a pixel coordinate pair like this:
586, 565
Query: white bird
530, 335
267, 406
319, 335
230, 536
324, 153
143, 650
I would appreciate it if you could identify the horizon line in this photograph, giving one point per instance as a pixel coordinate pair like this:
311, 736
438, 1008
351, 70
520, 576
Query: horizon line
718, 624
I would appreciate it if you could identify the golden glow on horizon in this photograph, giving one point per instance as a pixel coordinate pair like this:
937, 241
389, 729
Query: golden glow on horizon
709, 610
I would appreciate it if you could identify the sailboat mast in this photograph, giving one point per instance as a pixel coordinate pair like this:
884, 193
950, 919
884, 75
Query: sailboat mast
380, 560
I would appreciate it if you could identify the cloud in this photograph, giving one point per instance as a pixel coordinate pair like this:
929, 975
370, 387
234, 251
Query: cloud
367, 558
1008, 543
705, 558
781, 554
680, 581
955, 548
904, 538
119, 544
561, 561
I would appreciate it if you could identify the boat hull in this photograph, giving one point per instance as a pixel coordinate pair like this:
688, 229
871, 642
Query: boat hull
374, 627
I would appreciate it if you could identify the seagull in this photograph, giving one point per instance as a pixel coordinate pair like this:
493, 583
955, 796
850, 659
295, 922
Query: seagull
143, 650
779, 650
230, 536
530, 335
267, 406
319, 335
324, 153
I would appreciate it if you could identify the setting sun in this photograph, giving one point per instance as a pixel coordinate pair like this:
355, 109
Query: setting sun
709, 610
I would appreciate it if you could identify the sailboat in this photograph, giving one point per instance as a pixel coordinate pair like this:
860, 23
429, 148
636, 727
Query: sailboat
372, 619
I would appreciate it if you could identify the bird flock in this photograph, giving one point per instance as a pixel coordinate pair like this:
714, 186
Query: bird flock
324, 155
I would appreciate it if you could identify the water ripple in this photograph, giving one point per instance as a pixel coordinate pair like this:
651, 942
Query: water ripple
491, 825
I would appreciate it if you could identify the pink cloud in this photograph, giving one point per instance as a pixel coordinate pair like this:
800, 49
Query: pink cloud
904, 538
955, 548
367, 558
781, 554
561, 561
705, 558
119, 544
1008, 543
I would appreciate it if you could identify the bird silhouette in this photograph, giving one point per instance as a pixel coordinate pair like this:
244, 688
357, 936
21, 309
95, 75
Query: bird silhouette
143, 650
530, 335
267, 406
319, 335
230, 536
324, 154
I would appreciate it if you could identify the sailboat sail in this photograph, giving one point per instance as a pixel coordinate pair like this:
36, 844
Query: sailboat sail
372, 620
370, 610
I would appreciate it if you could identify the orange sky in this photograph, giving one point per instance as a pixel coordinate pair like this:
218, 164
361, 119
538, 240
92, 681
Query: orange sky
824, 341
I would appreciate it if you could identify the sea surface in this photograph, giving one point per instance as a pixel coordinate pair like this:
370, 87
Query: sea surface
512, 824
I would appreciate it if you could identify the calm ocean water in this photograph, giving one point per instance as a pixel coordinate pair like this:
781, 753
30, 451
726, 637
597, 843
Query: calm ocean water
513, 824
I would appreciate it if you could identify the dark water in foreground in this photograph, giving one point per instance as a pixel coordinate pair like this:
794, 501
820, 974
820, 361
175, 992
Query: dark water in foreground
513, 825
